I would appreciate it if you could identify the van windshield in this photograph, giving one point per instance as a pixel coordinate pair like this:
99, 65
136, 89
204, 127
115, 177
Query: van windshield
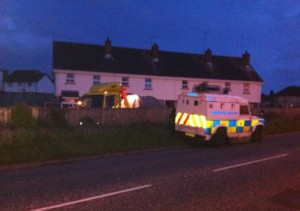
244, 110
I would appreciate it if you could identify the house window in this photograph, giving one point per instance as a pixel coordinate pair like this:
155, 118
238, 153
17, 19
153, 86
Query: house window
125, 81
19, 84
246, 88
148, 83
96, 79
227, 87
29, 84
10, 84
185, 85
70, 78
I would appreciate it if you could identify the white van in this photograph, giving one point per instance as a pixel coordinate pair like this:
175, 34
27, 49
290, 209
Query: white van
217, 118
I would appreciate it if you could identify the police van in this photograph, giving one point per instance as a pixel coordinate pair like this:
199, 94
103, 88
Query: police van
217, 118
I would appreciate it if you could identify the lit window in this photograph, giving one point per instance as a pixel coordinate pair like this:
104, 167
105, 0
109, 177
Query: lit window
125, 81
96, 79
185, 85
148, 83
246, 88
70, 78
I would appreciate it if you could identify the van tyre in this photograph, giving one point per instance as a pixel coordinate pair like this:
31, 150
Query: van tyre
220, 137
257, 134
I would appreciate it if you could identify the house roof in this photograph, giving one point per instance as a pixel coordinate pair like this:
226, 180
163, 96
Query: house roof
289, 91
87, 57
25, 76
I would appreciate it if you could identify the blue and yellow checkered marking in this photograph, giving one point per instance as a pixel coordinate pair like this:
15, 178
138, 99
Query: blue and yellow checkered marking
200, 121
233, 126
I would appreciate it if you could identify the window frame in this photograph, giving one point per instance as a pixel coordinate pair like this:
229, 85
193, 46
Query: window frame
70, 78
96, 79
184, 84
125, 81
246, 89
148, 84
228, 86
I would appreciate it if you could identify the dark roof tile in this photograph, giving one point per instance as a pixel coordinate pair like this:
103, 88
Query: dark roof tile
87, 57
25, 76
289, 91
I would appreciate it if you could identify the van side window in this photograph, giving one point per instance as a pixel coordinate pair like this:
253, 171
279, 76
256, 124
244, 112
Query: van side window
244, 110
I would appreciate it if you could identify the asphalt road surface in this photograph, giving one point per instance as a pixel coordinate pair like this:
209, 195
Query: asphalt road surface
263, 176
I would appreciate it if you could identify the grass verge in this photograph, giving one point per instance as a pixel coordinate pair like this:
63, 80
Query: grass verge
36, 144
277, 123
19, 145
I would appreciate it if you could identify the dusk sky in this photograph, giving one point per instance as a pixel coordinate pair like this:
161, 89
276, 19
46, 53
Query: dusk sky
268, 29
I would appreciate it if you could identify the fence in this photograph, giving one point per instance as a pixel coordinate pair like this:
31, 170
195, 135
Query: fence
113, 116
101, 116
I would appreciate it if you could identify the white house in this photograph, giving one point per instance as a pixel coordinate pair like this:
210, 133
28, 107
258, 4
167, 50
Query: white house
161, 74
28, 81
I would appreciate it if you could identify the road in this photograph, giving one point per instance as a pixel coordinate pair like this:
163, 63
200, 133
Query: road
263, 176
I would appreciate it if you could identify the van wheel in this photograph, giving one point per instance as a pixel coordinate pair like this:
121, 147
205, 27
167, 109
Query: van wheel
257, 135
220, 137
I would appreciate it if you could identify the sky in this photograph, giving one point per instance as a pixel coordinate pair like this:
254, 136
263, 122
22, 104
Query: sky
268, 29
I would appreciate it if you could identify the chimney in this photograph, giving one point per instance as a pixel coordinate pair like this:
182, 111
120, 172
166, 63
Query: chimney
208, 56
107, 48
246, 58
154, 52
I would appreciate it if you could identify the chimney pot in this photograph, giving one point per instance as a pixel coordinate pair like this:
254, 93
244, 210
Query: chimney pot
246, 58
208, 55
154, 52
107, 48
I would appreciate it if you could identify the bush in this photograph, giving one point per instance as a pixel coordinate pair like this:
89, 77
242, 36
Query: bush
21, 116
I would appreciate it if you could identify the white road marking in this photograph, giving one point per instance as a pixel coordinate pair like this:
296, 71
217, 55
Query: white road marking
92, 198
248, 163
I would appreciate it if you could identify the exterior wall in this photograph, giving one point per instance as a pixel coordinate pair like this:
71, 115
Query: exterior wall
45, 85
163, 88
17, 87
